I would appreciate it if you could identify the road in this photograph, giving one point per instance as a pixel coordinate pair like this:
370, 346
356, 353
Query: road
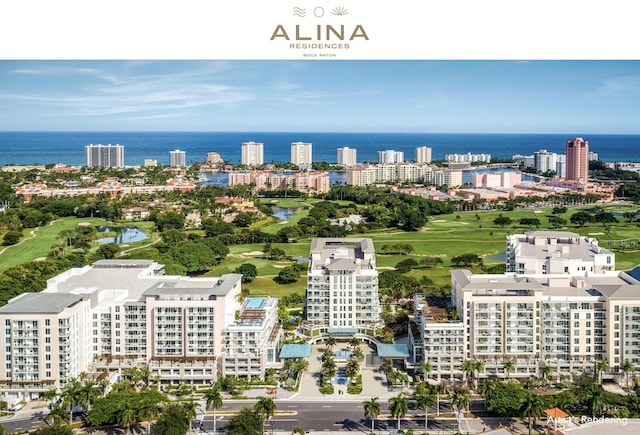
332, 416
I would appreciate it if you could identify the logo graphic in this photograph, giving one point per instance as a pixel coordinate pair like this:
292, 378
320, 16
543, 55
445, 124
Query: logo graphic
339, 11
322, 29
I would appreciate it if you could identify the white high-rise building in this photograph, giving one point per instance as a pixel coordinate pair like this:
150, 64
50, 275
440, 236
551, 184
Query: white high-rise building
347, 156
390, 156
545, 161
557, 252
116, 314
104, 156
423, 155
252, 153
177, 159
301, 154
562, 307
342, 286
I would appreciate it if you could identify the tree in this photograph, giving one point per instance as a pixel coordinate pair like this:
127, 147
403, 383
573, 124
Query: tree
504, 398
399, 406
57, 415
531, 408
245, 422
627, 367
173, 421
190, 412
593, 395
248, 271
71, 396
331, 341
460, 398
580, 218
371, 409
601, 366
287, 275
509, 367
352, 369
147, 412
502, 221
468, 369
556, 221
214, 401
424, 399
546, 371
127, 417
265, 407
425, 368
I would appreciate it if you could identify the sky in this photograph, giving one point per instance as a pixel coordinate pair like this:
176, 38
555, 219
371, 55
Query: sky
321, 96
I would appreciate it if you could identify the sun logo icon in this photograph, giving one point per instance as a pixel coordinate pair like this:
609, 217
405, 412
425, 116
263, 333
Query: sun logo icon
339, 11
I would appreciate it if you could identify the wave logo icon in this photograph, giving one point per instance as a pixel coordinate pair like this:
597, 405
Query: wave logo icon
299, 12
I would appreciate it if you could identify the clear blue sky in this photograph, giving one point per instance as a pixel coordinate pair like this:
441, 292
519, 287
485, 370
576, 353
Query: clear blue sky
376, 96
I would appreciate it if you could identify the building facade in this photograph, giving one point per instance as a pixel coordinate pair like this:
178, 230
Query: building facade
342, 285
423, 155
347, 156
390, 156
254, 339
557, 252
213, 158
104, 156
567, 321
578, 159
301, 154
177, 159
308, 182
252, 153
117, 314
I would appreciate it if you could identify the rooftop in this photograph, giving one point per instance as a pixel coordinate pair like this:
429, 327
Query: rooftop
40, 303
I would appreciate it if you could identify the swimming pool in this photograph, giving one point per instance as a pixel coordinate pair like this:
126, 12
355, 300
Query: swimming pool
255, 303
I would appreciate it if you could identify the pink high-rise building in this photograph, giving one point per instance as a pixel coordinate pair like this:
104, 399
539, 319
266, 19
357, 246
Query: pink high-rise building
578, 159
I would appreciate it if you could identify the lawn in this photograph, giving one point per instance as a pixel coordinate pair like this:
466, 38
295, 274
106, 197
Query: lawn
39, 246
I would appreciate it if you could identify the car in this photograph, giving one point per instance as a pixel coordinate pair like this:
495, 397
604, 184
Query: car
196, 424
16, 407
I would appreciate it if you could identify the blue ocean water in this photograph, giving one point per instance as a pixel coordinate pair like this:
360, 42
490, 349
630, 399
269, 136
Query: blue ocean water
68, 147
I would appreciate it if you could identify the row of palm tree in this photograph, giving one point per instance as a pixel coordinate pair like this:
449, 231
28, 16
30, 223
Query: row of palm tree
424, 398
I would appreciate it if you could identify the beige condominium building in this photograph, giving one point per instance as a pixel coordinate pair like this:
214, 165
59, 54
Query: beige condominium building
568, 321
553, 252
342, 285
254, 339
252, 153
116, 314
302, 154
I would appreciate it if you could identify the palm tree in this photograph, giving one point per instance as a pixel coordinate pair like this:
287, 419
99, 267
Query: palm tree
89, 393
478, 366
372, 408
532, 407
331, 341
147, 412
352, 369
71, 396
546, 371
58, 414
438, 390
399, 405
425, 368
468, 368
265, 407
627, 367
460, 398
592, 394
509, 367
487, 389
190, 411
127, 417
214, 400
52, 393
601, 366
354, 341
424, 399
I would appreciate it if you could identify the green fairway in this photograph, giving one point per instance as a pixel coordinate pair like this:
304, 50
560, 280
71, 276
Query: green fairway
39, 246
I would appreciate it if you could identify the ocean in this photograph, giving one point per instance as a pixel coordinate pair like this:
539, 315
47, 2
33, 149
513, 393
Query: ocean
25, 148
